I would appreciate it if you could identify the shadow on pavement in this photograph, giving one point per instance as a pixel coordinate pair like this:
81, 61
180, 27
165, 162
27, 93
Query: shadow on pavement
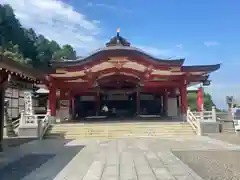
20, 168
45, 158
15, 141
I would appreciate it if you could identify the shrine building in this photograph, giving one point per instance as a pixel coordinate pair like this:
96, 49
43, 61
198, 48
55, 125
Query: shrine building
127, 80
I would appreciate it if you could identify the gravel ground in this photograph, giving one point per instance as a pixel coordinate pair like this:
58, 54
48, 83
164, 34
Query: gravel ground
229, 138
212, 165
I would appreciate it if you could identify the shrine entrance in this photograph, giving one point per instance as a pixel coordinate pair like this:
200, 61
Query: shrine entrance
118, 105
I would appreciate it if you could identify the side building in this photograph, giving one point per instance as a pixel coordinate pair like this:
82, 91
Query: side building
15, 79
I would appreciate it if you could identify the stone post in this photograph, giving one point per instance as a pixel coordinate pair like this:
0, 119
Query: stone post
202, 115
214, 116
39, 129
188, 111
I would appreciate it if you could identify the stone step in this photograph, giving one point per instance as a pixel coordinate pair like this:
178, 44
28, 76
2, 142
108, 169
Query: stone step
123, 127
123, 131
113, 130
119, 128
116, 137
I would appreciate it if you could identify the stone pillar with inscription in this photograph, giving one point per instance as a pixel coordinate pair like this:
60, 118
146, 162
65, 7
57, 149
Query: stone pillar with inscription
28, 105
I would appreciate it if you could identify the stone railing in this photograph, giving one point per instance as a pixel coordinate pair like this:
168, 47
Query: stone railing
206, 115
43, 125
194, 121
228, 122
33, 125
203, 122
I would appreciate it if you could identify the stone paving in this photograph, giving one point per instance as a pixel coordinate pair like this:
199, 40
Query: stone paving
122, 159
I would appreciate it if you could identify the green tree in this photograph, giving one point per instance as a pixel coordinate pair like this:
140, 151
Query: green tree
25, 46
207, 99
66, 52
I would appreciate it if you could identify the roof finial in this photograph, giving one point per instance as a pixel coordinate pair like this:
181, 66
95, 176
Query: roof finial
118, 31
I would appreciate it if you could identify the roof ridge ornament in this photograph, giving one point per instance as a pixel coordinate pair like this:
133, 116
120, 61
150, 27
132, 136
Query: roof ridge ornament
118, 32
118, 40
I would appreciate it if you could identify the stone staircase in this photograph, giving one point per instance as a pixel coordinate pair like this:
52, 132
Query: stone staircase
119, 130
226, 123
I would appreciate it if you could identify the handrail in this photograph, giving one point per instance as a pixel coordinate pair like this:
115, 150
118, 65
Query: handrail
43, 125
16, 123
194, 121
191, 118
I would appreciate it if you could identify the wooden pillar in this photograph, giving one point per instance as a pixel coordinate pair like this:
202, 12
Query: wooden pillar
52, 100
4, 79
138, 101
97, 101
72, 99
161, 106
183, 95
165, 102
2, 94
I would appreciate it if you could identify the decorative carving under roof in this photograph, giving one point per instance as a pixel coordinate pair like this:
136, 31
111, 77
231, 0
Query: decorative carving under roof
118, 41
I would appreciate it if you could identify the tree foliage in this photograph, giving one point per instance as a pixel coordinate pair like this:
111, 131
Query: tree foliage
207, 99
25, 46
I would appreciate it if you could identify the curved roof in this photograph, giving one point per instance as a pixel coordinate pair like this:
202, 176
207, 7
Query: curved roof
117, 46
117, 51
208, 68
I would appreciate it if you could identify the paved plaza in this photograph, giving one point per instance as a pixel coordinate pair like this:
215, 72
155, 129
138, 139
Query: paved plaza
192, 158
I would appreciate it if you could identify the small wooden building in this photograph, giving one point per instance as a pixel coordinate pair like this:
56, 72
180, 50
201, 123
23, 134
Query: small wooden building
15, 78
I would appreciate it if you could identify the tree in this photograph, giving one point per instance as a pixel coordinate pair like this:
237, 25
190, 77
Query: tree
207, 99
25, 46
66, 52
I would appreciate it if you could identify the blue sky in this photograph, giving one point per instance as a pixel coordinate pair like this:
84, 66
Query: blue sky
204, 32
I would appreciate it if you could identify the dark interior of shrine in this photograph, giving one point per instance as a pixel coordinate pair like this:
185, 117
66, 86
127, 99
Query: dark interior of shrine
118, 105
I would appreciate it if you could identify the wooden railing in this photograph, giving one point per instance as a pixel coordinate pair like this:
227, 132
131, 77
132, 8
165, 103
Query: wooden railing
194, 121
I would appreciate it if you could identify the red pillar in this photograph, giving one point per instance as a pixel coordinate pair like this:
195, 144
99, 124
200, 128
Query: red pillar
183, 94
200, 99
52, 100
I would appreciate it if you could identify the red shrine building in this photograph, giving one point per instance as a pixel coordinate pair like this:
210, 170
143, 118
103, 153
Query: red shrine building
125, 79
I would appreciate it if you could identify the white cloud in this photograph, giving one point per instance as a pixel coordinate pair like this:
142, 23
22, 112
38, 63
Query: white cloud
211, 43
101, 5
57, 21
107, 6
180, 46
